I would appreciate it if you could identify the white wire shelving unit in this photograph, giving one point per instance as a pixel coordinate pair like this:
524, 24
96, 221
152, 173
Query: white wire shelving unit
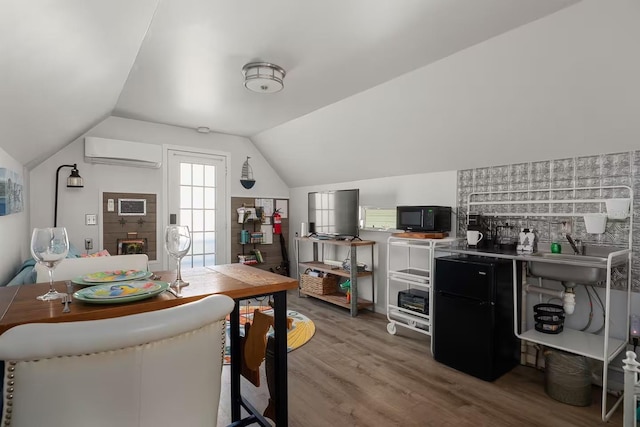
603, 347
410, 265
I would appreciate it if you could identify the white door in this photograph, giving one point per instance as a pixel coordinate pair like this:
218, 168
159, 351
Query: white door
197, 197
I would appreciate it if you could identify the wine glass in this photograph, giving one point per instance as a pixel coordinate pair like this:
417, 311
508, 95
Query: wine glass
177, 240
49, 246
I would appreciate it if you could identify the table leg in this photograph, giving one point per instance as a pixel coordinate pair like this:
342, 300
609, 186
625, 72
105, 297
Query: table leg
280, 365
236, 362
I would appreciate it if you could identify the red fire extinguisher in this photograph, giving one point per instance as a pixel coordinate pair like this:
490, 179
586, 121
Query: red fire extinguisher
277, 223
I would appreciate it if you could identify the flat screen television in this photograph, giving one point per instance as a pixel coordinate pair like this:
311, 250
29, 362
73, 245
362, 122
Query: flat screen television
334, 213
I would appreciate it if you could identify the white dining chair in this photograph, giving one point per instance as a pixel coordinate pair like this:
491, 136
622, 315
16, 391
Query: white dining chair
70, 268
154, 369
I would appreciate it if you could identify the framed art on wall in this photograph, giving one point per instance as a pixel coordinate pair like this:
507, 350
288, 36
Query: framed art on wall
11, 192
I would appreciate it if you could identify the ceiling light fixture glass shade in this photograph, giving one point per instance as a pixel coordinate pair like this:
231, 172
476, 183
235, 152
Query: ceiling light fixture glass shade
263, 77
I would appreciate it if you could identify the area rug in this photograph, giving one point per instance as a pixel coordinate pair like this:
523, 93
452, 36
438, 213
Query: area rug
302, 328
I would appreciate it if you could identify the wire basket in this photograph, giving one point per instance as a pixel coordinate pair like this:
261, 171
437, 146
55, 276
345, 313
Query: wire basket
549, 318
319, 285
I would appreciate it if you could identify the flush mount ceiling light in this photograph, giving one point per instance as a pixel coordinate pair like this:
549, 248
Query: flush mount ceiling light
263, 77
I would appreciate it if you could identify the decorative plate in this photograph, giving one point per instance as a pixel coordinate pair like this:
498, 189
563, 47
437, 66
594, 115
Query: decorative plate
115, 276
120, 292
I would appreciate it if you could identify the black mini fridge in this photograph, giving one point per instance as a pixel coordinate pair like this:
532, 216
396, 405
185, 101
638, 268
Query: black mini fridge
473, 315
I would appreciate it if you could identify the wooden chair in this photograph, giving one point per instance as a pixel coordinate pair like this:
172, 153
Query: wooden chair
161, 368
71, 268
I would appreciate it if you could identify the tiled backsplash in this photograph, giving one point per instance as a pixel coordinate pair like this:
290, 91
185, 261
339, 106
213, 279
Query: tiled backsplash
575, 174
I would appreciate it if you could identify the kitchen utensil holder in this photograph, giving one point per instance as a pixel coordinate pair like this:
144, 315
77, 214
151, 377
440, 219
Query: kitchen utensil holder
617, 208
595, 223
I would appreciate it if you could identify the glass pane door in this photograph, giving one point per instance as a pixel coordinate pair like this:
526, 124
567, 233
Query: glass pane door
197, 198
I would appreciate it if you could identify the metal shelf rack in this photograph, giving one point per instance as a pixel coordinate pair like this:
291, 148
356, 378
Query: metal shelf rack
599, 347
404, 274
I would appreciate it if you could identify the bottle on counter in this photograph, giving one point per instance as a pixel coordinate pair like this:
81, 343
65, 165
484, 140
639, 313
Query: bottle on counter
526, 240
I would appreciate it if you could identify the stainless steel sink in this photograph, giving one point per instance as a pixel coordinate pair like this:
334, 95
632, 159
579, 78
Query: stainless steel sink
569, 268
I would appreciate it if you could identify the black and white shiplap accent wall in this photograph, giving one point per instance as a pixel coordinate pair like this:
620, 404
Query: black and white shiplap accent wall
575, 174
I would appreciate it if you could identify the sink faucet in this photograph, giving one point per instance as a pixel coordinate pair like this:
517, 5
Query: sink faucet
577, 245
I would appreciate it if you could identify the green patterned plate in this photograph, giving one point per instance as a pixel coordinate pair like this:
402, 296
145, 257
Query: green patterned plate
116, 293
139, 275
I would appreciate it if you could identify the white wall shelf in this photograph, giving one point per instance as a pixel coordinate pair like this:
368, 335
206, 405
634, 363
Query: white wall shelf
546, 196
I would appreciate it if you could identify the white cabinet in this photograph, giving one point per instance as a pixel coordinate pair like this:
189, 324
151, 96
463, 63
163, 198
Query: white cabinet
410, 263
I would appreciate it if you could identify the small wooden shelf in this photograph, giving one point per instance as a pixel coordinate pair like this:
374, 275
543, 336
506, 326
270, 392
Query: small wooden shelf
317, 265
338, 299
337, 242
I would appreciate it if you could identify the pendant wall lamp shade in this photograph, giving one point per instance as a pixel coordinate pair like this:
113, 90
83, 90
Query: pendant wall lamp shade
73, 181
263, 77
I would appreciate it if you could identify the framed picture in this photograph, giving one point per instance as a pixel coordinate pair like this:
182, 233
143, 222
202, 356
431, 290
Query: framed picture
11, 192
132, 246
132, 207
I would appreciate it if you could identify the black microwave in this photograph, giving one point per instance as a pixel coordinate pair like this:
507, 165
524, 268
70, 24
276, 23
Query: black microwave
423, 218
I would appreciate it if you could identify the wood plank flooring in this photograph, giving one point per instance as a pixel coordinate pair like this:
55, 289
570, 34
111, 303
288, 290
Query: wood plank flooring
353, 373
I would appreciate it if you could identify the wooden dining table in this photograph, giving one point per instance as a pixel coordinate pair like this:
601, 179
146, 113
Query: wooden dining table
18, 305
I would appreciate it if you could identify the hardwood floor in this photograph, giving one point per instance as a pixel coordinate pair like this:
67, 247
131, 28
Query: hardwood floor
353, 373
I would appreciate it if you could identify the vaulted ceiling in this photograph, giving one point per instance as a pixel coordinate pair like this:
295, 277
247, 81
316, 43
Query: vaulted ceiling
66, 65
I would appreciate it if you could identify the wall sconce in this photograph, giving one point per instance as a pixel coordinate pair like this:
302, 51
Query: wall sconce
246, 179
74, 181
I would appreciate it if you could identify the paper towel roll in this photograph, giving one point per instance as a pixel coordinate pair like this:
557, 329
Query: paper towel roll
303, 230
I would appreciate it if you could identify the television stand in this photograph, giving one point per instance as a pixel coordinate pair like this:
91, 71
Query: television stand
350, 238
334, 296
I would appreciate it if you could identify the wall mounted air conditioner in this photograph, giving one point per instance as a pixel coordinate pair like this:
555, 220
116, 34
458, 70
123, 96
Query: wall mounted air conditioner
122, 153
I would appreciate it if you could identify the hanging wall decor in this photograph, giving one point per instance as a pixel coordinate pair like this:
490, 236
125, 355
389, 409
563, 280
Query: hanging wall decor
246, 179
11, 200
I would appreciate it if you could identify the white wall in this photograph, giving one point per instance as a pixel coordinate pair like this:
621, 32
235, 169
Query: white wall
562, 86
74, 203
420, 189
14, 229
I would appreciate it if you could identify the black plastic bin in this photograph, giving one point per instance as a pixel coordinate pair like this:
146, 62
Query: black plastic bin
549, 318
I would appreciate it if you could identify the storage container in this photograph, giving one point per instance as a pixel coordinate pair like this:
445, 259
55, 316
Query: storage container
567, 378
595, 223
549, 318
319, 285
618, 208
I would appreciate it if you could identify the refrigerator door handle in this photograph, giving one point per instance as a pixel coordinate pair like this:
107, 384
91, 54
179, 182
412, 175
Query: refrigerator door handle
462, 298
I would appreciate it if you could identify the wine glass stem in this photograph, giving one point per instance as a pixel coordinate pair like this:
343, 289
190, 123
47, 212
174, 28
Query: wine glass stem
51, 289
179, 276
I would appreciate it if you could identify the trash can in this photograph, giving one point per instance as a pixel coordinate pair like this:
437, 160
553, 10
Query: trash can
567, 378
